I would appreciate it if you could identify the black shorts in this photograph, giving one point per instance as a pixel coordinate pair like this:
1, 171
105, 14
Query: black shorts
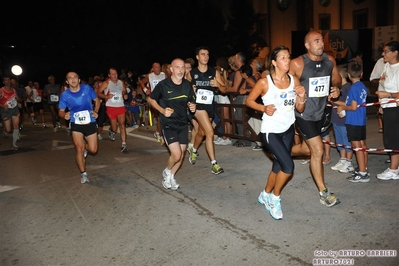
391, 128
86, 130
38, 106
356, 133
309, 129
172, 136
209, 108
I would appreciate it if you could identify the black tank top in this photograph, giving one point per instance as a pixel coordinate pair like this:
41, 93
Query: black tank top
311, 69
202, 80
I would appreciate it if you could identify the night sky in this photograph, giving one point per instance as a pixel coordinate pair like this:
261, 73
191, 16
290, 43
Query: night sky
90, 36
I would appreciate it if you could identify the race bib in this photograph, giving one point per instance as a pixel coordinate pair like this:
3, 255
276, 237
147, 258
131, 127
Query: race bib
38, 99
204, 96
319, 87
53, 98
82, 117
117, 97
12, 103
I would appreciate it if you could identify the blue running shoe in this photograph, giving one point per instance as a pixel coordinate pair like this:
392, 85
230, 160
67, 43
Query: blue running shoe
264, 199
275, 208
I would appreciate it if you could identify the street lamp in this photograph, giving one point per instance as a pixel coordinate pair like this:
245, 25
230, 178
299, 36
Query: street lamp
16, 70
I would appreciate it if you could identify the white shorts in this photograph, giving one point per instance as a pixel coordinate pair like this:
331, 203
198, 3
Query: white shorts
223, 99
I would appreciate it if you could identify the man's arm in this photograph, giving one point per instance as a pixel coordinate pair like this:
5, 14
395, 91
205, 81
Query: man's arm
336, 80
100, 90
236, 83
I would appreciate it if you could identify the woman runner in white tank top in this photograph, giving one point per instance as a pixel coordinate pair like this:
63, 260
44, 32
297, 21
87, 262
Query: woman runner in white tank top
281, 94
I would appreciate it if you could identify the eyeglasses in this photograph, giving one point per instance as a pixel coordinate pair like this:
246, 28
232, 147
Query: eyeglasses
386, 51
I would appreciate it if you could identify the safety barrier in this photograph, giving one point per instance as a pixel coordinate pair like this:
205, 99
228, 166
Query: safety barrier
246, 114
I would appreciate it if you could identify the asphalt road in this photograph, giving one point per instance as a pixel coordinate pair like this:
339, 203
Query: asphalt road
126, 217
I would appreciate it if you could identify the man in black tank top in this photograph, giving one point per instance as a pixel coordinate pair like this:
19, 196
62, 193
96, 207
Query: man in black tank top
203, 79
318, 73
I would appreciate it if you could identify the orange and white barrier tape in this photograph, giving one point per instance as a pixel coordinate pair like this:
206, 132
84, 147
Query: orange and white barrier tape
369, 104
359, 149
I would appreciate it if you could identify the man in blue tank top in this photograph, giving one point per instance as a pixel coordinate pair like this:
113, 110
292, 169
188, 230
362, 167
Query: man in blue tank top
318, 73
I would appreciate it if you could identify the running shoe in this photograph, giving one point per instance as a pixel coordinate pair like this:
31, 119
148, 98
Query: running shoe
99, 137
358, 177
306, 161
58, 124
166, 180
158, 137
264, 199
275, 208
68, 131
193, 156
216, 169
15, 147
216, 141
124, 147
55, 129
190, 149
338, 166
347, 168
84, 178
388, 175
328, 199
111, 135
173, 184
356, 171
224, 142
85, 153
257, 147
5, 134
44, 126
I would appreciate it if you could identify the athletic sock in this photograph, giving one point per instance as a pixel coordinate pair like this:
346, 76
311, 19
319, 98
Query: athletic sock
15, 136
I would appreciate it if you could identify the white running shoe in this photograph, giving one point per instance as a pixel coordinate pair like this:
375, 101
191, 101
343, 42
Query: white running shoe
388, 174
264, 199
347, 168
173, 184
275, 208
84, 178
166, 180
338, 166
225, 142
218, 140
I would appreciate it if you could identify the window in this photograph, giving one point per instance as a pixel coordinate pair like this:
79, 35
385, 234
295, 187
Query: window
360, 18
324, 21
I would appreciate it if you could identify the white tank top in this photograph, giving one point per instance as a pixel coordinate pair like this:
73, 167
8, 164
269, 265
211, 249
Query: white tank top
154, 79
116, 89
284, 101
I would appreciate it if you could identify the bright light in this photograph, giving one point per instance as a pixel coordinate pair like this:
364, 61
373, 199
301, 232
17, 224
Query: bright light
16, 70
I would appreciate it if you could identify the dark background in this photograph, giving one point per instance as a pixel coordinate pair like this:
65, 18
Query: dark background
90, 36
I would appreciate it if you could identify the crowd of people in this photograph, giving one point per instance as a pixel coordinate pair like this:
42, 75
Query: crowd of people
179, 98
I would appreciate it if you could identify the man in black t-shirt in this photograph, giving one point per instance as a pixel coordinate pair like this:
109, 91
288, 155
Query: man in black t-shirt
172, 97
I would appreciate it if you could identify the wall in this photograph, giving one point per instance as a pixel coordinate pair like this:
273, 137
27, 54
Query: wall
282, 23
